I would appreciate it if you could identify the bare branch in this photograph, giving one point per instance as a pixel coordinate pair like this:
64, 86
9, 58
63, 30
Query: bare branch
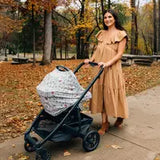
65, 18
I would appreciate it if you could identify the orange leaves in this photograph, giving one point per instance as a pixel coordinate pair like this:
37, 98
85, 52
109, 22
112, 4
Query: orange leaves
139, 78
8, 2
8, 25
42, 5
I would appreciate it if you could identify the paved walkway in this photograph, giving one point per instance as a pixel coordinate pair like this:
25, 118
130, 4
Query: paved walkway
139, 139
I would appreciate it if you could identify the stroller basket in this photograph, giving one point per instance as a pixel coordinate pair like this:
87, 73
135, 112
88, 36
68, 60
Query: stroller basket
47, 123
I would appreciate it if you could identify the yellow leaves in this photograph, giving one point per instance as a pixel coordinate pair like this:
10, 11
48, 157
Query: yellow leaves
19, 156
10, 158
116, 146
83, 26
8, 25
66, 153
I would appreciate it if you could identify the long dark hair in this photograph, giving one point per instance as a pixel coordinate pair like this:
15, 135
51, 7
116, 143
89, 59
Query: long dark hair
117, 22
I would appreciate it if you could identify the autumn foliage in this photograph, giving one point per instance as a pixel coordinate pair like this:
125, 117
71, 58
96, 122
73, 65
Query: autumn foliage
20, 103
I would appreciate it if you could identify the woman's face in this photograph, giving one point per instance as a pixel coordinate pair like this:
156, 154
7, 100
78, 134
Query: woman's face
109, 19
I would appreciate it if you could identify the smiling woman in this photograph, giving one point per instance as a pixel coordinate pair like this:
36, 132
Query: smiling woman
108, 93
109, 19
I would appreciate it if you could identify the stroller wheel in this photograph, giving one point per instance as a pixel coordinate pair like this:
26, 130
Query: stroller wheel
43, 154
29, 147
91, 141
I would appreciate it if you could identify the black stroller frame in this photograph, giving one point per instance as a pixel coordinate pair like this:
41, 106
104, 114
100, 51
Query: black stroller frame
71, 123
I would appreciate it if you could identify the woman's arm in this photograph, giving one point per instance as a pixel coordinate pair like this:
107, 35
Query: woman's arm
90, 60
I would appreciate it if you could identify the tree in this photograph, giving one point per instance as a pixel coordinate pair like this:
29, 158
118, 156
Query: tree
81, 26
9, 24
159, 26
46, 8
154, 28
145, 43
134, 28
48, 38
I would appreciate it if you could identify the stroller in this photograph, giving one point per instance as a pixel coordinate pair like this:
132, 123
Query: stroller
64, 125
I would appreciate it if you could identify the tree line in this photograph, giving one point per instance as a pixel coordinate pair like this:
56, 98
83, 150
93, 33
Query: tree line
64, 26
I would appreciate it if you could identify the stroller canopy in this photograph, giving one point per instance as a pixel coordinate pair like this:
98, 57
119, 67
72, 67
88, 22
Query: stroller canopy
60, 90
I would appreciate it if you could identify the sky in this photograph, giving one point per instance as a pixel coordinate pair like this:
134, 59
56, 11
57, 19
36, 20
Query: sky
141, 2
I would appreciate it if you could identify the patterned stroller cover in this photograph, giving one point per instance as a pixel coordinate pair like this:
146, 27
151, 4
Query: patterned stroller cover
59, 90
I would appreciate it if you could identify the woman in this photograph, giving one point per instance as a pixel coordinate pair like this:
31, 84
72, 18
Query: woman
108, 92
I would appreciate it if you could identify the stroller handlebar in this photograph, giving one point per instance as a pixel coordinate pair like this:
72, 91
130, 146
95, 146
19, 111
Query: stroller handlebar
93, 64
62, 68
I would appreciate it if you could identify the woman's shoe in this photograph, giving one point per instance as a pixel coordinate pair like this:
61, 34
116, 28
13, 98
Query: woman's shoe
104, 128
118, 122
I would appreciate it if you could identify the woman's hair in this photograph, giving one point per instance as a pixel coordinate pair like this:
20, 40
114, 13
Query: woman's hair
117, 23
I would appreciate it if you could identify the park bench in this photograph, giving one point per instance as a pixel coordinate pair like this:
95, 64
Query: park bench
139, 59
156, 57
143, 61
19, 60
125, 62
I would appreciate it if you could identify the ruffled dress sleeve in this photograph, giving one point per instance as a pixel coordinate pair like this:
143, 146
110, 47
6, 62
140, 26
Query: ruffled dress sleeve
99, 36
120, 36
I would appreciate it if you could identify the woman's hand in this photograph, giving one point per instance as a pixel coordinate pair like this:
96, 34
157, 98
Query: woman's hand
86, 61
107, 64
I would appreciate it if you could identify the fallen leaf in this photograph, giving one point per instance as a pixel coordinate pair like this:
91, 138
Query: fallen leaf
10, 158
116, 147
66, 153
13, 145
107, 146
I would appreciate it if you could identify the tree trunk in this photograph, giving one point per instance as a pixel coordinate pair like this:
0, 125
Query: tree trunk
134, 29
96, 16
47, 38
78, 44
54, 51
82, 44
145, 42
136, 35
60, 49
154, 28
80, 35
102, 7
86, 50
54, 34
66, 48
33, 31
109, 4
159, 27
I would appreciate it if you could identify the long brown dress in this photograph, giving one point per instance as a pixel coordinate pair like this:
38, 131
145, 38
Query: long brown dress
108, 92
